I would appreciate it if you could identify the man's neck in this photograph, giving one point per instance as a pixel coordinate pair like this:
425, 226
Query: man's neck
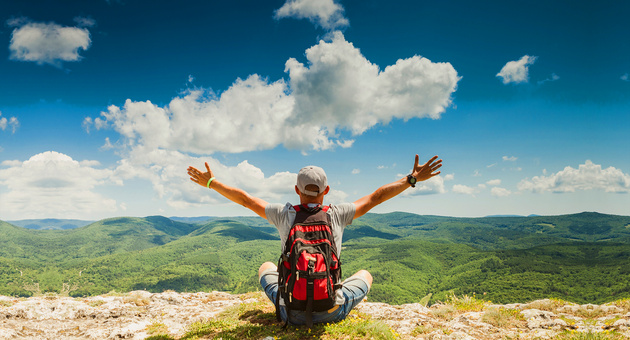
305, 202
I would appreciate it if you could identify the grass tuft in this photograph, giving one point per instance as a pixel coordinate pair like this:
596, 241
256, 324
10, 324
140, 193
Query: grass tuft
549, 305
575, 335
157, 328
467, 303
623, 304
502, 317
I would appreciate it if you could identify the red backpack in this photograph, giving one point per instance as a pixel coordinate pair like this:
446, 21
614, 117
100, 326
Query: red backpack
309, 269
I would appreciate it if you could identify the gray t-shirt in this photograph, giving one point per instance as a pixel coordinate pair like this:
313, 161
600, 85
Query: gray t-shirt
282, 216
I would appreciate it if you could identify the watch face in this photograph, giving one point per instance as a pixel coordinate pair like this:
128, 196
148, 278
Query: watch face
413, 180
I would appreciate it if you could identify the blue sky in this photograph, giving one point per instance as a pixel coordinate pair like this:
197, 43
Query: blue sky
104, 104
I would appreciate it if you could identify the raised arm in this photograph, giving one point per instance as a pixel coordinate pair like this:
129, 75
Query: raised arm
387, 191
235, 195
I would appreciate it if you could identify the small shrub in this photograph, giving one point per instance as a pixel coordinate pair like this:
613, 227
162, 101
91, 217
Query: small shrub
590, 313
137, 299
550, 305
467, 303
611, 321
502, 317
421, 329
623, 304
445, 312
569, 321
425, 300
157, 328
5, 303
96, 303
574, 335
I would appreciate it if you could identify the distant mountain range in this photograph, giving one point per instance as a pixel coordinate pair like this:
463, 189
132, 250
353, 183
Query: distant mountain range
579, 257
50, 224
64, 224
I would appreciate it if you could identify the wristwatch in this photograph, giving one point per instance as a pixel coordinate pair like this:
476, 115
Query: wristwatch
411, 180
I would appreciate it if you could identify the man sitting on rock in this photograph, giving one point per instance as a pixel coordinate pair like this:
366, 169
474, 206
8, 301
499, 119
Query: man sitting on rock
311, 188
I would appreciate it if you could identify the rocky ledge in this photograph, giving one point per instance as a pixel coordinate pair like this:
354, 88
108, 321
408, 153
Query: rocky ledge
135, 315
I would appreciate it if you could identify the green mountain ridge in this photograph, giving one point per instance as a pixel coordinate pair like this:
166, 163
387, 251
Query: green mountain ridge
580, 257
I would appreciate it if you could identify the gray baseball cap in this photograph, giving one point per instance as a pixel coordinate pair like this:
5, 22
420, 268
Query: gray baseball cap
312, 175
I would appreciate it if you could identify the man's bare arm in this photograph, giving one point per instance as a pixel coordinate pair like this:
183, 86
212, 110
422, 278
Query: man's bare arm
235, 195
387, 191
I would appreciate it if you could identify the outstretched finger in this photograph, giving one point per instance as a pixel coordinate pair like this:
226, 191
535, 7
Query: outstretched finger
432, 160
415, 164
207, 166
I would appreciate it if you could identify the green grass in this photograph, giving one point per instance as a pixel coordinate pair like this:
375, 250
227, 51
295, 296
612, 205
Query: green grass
257, 320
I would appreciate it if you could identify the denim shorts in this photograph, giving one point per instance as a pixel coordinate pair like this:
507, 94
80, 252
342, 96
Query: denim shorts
354, 289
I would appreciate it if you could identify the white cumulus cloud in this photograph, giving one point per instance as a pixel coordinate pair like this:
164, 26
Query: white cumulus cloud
325, 13
587, 176
166, 171
52, 184
500, 192
339, 90
494, 182
517, 71
342, 89
48, 43
464, 189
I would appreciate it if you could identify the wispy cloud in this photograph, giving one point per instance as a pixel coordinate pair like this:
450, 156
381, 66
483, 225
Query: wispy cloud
12, 122
625, 77
553, 77
48, 43
510, 158
517, 71
324, 13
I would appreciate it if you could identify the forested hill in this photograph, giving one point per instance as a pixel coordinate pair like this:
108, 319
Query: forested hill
581, 257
